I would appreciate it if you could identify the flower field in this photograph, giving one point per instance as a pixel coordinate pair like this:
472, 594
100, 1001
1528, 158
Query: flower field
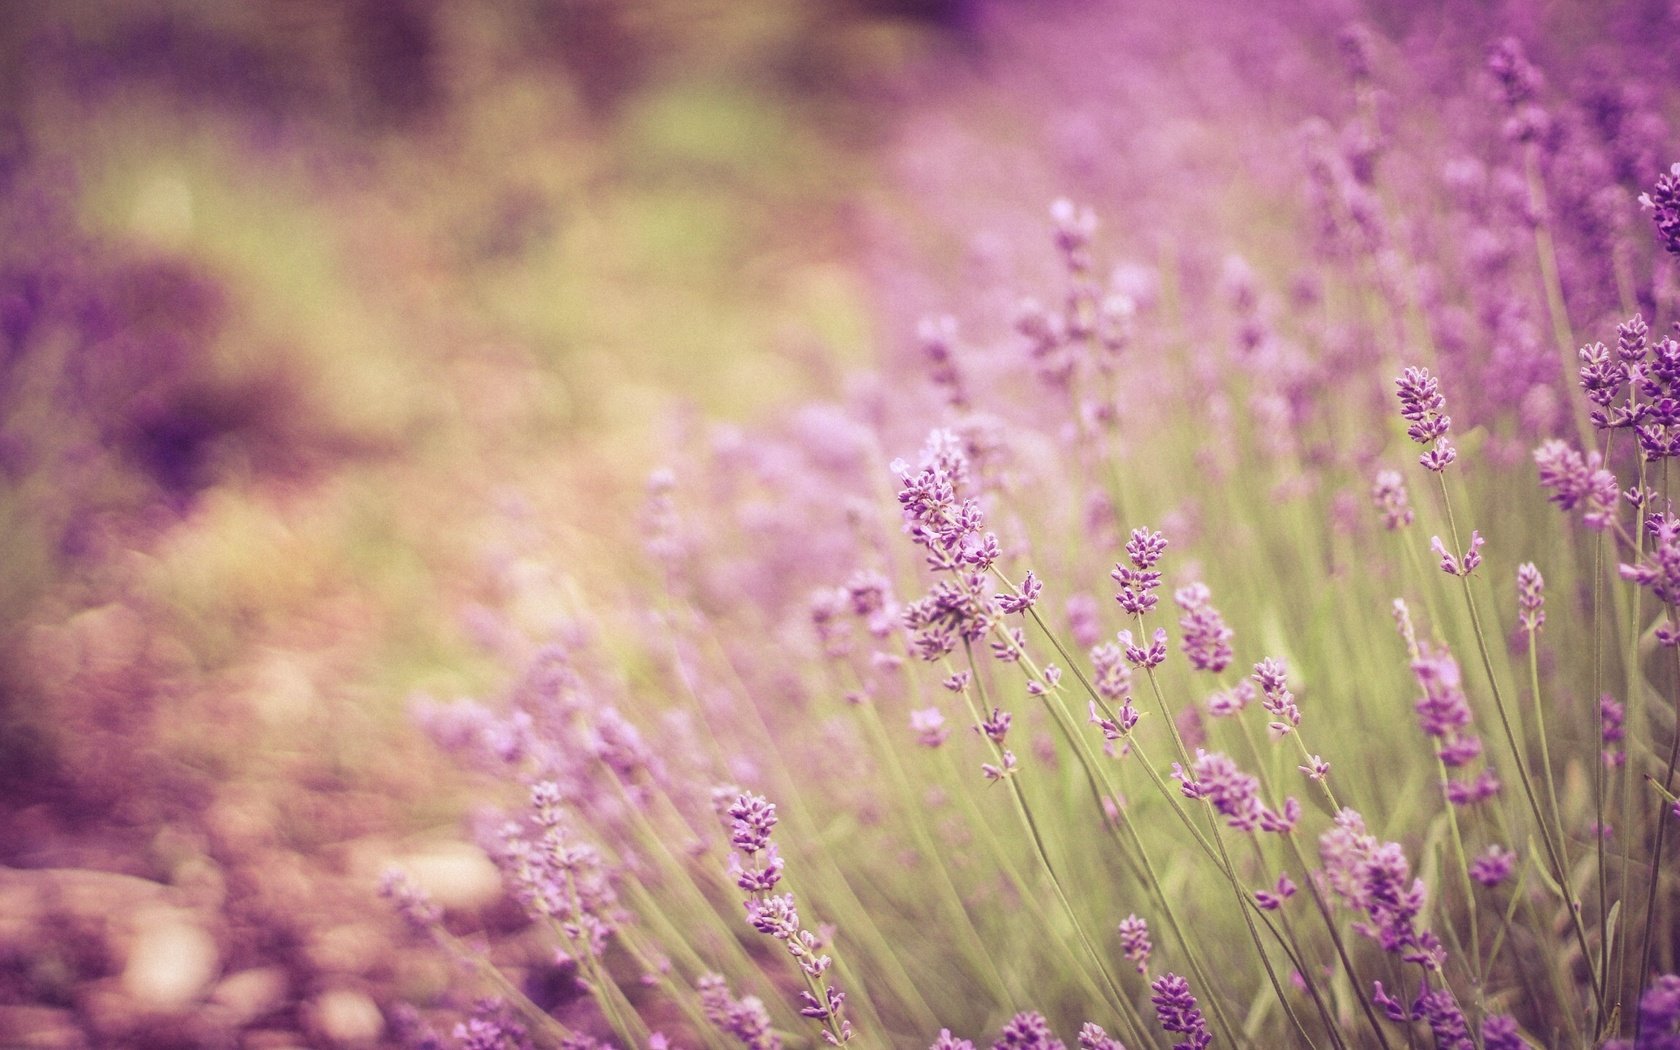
893, 525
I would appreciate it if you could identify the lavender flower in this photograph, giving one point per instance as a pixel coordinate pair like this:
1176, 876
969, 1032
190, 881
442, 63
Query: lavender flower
928, 724
1274, 898
1603, 377
492, 1030
1499, 1032
1578, 481
1223, 703
1454, 565
1370, 876
1092, 1037
1150, 657
1659, 1008
938, 338
947, 1041
1611, 714
1519, 84
1388, 492
1124, 720
1111, 675
1030, 590
1441, 1012
1279, 702
1007, 768
561, 881
1443, 710
1663, 202
1234, 794
1659, 571
1135, 943
1493, 866
1420, 406
1028, 1030
1531, 597
744, 1019
1207, 641
752, 817
412, 903
1177, 1011
1139, 581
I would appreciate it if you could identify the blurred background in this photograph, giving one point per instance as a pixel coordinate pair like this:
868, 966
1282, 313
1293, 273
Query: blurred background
294, 298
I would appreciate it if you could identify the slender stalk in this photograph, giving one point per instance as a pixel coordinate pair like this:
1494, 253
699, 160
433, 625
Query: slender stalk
1647, 943
1243, 899
1122, 1005
1559, 871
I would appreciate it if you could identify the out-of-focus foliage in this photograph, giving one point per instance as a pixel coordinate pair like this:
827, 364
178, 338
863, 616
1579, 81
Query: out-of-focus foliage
290, 294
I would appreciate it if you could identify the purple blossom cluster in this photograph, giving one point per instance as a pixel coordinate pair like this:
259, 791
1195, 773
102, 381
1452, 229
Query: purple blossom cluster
1272, 676
559, 879
1444, 716
1663, 202
1178, 1013
1139, 580
751, 820
1373, 878
744, 1020
1235, 795
1206, 641
1421, 405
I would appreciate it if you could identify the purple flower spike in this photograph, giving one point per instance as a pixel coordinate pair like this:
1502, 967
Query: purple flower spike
1611, 714
1446, 1020
1420, 405
752, 817
1145, 548
1578, 481
1028, 1030
1388, 492
929, 726
744, 1019
1499, 1032
947, 1041
1177, 1011
411, 902
1154, 656
1030, 590
996, 773
1272, 676
1493, 866
1531, 597
1092, 1037
1135, 943
1207, 641
1663, 202
1452, 564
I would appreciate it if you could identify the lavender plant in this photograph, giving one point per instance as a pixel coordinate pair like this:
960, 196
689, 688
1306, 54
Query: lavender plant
1021, 808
